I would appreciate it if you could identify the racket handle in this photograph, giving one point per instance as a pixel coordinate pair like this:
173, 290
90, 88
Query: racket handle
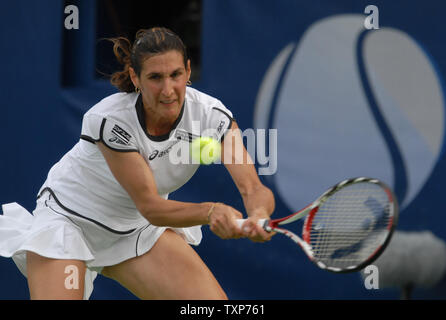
260, 222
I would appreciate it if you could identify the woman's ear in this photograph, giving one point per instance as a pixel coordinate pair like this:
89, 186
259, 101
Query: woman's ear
134, 78
188, 70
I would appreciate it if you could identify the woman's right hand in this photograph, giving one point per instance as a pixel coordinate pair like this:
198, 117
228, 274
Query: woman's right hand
222, 222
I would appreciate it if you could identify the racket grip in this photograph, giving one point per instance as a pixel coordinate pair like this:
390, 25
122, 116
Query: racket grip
260, 222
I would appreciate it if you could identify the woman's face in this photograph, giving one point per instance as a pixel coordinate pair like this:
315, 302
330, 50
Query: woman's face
162, 83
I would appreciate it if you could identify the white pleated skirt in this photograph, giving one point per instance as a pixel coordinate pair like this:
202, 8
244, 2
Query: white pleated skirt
54, 233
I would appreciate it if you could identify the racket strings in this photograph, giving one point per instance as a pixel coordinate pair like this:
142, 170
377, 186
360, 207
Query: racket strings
350, 224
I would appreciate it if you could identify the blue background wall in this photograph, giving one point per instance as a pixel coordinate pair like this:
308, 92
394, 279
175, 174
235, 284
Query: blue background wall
241, 42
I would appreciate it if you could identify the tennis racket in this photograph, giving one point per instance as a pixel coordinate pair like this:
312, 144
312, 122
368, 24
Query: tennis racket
347, 227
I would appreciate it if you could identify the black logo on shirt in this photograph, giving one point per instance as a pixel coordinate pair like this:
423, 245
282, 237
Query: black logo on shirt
220, 126
153, 155
184, 135
160, 154
120, 136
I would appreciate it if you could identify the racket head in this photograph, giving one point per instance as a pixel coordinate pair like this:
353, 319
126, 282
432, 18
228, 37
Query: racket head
351, 224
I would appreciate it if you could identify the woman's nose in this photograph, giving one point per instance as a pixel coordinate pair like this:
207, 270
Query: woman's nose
167, 89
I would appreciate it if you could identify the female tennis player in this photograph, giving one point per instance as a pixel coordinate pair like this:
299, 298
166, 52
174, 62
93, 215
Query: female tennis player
104, 206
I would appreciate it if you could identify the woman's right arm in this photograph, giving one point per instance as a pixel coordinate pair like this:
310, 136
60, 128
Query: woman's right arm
136, 177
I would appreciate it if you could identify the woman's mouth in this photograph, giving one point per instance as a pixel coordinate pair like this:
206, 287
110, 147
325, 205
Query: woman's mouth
167, 103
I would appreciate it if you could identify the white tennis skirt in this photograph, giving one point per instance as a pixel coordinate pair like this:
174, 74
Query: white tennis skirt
54, 233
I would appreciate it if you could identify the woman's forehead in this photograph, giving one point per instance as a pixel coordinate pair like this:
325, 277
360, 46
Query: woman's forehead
163, 62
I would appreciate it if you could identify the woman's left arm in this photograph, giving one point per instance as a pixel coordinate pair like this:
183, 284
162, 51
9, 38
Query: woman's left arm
258, 199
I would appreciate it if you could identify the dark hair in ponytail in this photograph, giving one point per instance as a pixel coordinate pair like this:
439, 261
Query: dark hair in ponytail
147, 43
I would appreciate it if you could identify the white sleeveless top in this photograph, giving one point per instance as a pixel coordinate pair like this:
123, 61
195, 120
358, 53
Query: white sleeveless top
82, 182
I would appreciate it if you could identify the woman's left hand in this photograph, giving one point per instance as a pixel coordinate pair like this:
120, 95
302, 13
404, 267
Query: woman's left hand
252, 230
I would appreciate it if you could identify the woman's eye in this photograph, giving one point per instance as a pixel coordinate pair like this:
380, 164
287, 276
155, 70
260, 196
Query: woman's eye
176, 74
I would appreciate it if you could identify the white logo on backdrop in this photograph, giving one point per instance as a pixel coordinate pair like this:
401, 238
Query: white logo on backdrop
314, 95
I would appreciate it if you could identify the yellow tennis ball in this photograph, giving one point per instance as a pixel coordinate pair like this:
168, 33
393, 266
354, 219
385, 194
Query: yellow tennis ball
205, 150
